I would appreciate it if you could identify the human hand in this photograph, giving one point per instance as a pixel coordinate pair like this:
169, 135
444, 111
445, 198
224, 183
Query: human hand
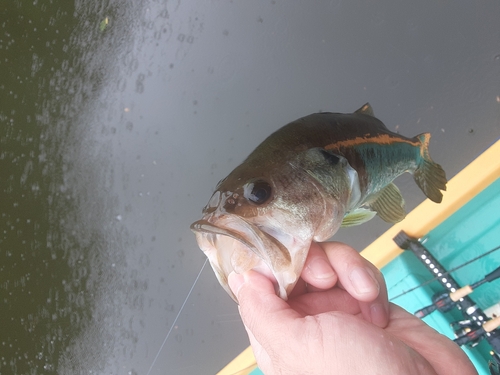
338, 321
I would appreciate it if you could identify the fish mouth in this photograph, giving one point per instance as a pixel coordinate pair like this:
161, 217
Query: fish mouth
234, 244
205, 226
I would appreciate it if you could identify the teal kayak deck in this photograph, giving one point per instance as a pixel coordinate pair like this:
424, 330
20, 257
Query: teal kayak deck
470, 232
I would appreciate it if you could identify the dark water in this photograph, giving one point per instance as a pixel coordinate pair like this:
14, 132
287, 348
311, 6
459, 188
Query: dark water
63, 275
96, 256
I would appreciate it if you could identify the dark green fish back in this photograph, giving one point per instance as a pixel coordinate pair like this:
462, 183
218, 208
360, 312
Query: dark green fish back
376, 153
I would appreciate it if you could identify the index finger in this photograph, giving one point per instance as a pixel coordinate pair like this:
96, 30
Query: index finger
267, 316
360, 278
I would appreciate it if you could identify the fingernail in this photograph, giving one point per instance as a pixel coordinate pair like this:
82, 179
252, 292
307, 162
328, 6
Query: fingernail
235, 281
321, 269
378, 315
363, 281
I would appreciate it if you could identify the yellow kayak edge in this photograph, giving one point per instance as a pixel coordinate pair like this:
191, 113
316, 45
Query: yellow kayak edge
471, 180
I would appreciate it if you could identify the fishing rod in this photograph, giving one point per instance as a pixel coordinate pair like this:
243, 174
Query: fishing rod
445, 301
477, 334
446, 273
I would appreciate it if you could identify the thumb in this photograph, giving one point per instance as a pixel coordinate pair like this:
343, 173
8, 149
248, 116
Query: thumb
265, 314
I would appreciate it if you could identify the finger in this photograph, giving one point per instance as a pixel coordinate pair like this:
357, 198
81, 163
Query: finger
299, 289
265, 314
361, 279
443, 354
316, 303
263, 360
358, 276
318, 273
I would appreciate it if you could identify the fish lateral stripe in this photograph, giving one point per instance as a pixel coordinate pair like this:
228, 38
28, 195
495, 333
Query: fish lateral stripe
381, 139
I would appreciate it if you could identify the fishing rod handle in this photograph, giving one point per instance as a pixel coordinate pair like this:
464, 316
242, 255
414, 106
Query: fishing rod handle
461, 293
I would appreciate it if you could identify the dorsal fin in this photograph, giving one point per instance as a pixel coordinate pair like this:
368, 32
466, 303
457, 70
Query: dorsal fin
366, 109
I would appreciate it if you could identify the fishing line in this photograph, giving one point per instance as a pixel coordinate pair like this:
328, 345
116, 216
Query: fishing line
177, 317
445, 273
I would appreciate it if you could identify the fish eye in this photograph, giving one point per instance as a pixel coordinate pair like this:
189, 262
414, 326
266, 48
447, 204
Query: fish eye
257, 192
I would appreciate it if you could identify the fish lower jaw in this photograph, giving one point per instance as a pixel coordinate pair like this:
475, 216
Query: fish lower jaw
232, 244
228, 255
283, 281
242, 261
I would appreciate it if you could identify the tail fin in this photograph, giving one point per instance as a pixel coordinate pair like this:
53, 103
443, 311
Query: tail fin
429, 176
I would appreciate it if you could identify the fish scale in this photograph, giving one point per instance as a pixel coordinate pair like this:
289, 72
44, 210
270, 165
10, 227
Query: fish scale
369, 157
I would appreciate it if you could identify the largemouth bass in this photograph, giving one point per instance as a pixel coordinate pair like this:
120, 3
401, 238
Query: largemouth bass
303, 183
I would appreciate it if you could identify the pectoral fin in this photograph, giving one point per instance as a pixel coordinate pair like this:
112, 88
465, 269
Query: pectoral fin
357, 216
389, 204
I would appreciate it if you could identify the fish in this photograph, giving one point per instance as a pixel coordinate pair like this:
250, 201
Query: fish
301, 184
